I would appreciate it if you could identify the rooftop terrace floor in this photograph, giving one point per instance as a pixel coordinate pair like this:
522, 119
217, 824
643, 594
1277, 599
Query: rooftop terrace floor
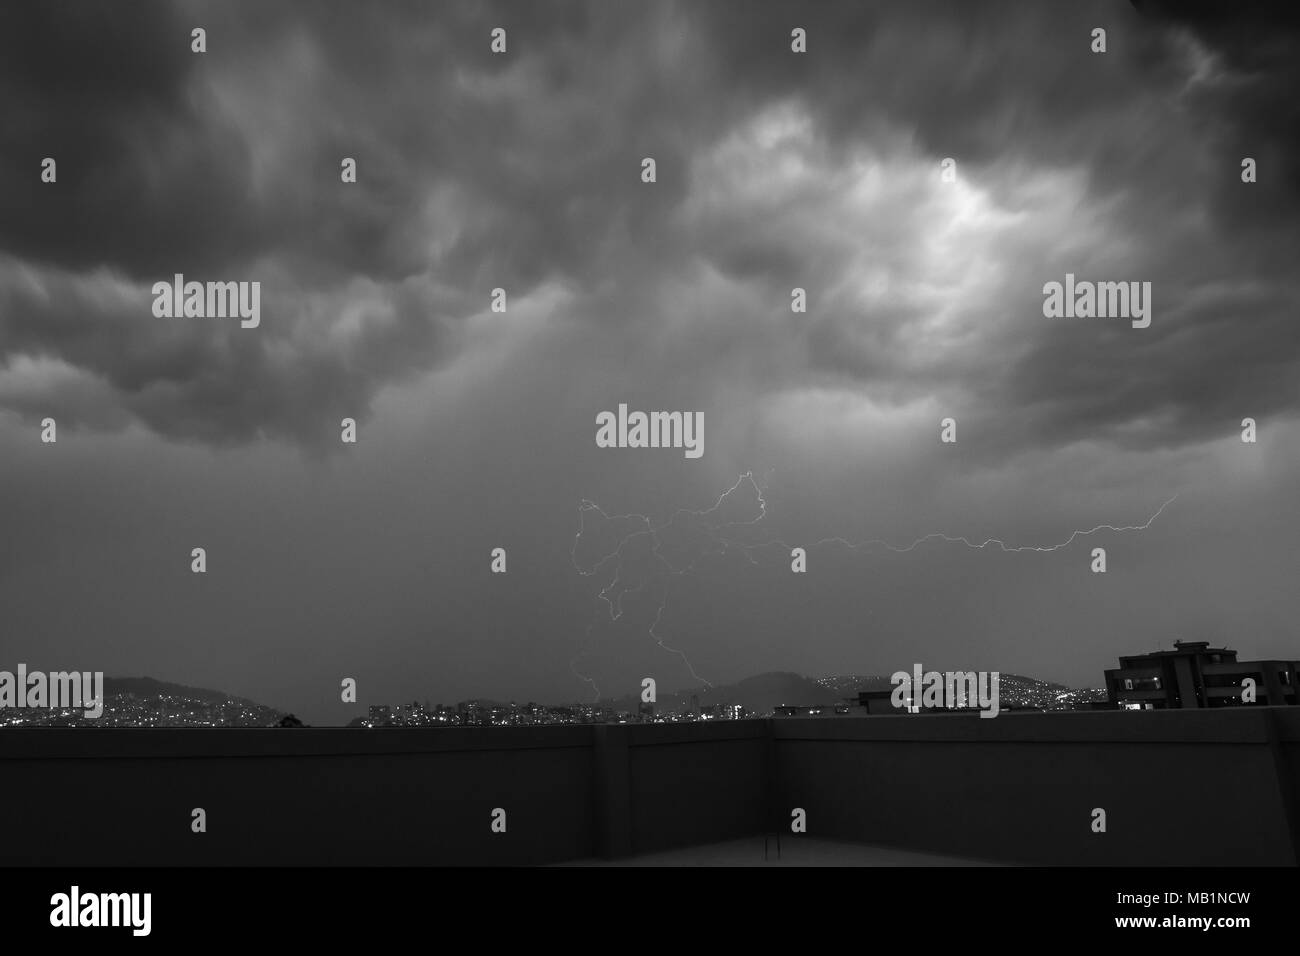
795, 851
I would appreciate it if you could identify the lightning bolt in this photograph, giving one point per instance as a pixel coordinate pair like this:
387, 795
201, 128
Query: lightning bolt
719, 540
644, 526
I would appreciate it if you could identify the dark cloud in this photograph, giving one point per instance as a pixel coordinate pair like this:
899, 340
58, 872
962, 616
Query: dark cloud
141, 171
479, 171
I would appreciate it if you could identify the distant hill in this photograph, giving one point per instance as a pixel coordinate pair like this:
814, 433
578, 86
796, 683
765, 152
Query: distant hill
149, 687
147, 702
759, 694
1014, 690
1019, 680
762, 693
850, 685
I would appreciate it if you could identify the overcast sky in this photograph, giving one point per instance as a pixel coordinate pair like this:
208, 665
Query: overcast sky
477, 429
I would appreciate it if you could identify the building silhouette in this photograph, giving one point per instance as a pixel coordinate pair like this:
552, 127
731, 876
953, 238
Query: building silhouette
1194, 674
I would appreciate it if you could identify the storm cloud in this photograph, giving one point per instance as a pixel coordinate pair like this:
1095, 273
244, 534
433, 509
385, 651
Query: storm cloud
522, 171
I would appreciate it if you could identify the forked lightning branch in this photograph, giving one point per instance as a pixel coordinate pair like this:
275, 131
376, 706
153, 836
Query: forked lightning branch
720, 537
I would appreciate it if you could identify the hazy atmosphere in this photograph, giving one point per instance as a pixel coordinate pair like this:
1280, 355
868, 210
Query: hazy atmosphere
476, 429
